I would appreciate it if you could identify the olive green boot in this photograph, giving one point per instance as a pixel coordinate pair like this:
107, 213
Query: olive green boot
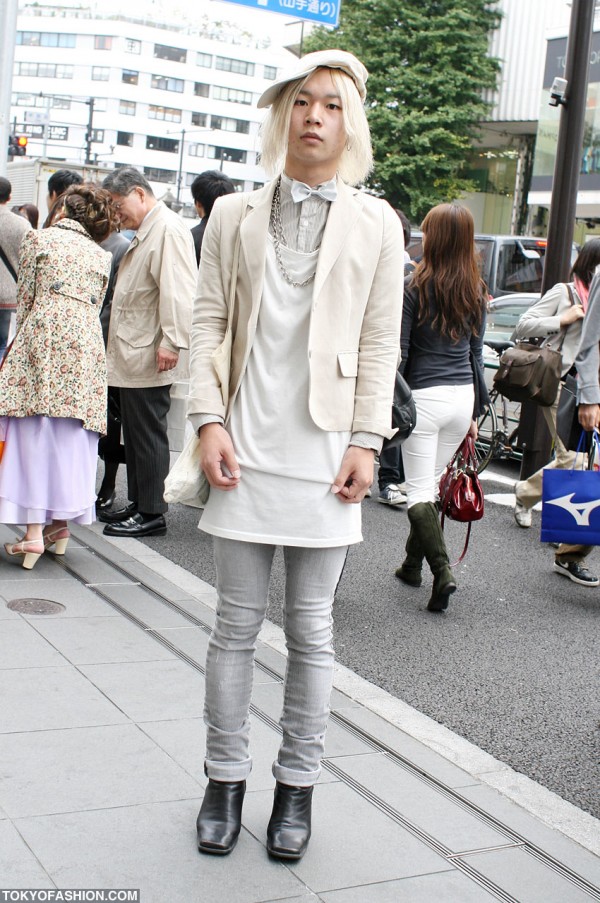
411, 568
424, 518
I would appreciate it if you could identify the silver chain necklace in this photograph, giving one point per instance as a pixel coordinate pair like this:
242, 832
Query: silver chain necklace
279, 239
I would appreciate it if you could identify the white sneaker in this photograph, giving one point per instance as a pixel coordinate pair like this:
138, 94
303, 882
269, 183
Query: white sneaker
522, 515
392, 495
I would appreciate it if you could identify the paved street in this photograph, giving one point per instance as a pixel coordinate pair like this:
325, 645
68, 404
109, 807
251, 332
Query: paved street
512, 666
101, 739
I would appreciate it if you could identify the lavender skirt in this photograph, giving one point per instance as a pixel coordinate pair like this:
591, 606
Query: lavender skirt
48, 471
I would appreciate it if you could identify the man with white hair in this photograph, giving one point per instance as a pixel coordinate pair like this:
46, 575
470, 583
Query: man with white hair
294, 346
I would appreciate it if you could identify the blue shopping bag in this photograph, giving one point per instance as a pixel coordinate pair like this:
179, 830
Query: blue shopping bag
571, 503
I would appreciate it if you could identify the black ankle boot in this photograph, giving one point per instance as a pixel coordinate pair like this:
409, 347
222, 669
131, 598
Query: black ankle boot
220, 817
288, 832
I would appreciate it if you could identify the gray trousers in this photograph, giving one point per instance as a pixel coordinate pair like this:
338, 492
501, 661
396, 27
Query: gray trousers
144, 421
243, 573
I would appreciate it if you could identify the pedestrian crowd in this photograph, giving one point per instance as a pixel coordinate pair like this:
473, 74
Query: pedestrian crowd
304, 306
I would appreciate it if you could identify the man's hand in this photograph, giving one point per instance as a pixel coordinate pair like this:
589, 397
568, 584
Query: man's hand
166, 360
589, 416
217, 455
355, 475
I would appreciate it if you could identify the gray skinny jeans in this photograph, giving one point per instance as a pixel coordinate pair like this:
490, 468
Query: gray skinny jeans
243, 573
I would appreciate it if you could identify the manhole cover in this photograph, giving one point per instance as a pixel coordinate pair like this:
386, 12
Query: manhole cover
36, 606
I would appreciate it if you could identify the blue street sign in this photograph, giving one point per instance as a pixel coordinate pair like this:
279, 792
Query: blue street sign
327, 12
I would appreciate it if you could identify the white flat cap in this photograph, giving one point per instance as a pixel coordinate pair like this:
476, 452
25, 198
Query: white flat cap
306, 65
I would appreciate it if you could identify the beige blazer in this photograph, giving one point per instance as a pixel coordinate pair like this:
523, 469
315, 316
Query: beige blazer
355, 318
152, 302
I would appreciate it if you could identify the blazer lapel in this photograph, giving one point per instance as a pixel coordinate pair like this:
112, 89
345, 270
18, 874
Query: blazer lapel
343, 214
253, 238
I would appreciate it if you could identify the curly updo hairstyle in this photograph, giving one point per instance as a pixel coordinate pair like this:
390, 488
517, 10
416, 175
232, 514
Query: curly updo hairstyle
92, 207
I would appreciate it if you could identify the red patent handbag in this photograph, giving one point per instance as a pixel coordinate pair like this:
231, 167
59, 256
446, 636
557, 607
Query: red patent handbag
461, 495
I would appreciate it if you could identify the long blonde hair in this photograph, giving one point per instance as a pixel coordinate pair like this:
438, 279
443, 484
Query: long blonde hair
356, 161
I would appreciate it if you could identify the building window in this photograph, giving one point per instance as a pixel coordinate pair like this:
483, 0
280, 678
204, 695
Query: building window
233, 154
44, 70
130, 76
45, 39
240, 66
175, 54
159, 175
102, 42
199, 119
241, 126
201, 90
204, 59
168, 145
270, 72
34, 100
125, 139
133, 46
167, 84
100, 104
234, 95
60, 103
196, 150
167, 113
100, 73
127, 107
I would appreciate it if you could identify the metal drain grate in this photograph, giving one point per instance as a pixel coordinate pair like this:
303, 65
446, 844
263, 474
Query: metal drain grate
36, 607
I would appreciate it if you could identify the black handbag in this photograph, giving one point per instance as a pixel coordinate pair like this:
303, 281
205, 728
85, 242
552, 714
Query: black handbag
404, 413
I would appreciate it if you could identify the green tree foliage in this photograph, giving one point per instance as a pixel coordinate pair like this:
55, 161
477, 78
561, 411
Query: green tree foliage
428, 65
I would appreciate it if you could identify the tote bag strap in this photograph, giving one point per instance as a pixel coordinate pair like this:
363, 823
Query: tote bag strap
7, 263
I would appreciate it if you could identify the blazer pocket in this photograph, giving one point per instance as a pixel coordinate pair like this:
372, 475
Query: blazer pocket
348, 362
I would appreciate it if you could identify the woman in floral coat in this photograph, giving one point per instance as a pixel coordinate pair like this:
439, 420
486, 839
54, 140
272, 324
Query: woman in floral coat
53, 380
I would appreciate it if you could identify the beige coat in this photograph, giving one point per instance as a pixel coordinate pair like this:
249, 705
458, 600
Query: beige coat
152, 303
355, 318
56, 365
12, 230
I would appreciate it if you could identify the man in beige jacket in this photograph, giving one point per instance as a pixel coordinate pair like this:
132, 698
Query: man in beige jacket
12, 230
149, 326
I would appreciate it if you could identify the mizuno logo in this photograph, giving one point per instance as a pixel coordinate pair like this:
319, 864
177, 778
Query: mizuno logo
580, 512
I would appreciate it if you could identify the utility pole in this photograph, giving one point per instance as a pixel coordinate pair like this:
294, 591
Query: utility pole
90, 130
180, 170
8, 34
533, 432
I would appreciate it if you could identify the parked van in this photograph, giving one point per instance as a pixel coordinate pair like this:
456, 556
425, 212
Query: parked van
509, 263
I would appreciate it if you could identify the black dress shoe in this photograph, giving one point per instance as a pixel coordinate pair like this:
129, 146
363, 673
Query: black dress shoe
220, 818
113, 517
138, 525
288, 831
103, 503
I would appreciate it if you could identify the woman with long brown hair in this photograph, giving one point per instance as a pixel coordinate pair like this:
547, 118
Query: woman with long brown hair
53, 379
443, 322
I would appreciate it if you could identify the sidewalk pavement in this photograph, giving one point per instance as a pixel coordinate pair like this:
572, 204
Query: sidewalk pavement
101, 746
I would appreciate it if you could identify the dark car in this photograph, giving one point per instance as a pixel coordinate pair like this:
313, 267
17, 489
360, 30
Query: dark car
509, 263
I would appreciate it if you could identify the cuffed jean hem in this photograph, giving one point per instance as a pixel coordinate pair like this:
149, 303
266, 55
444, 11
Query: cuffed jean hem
228, 771
295, 778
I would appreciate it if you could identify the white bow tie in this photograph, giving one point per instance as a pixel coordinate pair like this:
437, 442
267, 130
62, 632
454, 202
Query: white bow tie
327, 191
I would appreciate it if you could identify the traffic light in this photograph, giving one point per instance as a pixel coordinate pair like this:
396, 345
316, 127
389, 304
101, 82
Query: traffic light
17, 145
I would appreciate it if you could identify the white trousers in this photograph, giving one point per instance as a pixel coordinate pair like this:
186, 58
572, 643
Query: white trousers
243, 573
444, 415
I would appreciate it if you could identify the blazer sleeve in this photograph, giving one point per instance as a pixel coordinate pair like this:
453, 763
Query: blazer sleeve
209, 323
542, 319
380, 334
587, 361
